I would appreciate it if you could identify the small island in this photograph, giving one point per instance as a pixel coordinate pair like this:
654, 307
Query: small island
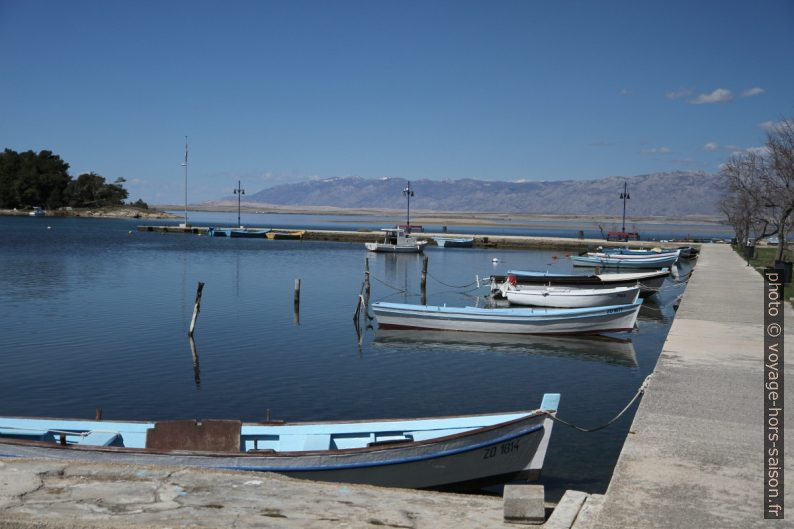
34, 182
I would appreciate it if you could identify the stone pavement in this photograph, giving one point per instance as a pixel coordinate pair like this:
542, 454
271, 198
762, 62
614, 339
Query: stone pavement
694, 457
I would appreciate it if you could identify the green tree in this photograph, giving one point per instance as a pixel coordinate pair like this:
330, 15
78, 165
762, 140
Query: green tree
29, 179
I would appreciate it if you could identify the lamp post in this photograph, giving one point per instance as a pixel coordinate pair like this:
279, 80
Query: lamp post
625, 196
239, 192
185, 166
408, 192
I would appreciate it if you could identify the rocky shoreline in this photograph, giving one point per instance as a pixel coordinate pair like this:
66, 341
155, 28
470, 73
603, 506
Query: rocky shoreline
120, 212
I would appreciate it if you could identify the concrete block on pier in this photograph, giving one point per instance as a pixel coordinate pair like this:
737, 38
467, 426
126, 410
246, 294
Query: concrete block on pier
566, 511
524, 504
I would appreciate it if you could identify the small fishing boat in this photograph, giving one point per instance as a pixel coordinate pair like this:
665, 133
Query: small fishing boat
286, 234
412, 453
690, 252
237, 232
653, 252
396, 241
594, 259
454, 242
649, 282
37, 212
589, 320
567, 297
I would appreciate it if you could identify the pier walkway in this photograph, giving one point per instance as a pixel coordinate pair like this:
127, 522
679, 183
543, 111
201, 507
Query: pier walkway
694, 457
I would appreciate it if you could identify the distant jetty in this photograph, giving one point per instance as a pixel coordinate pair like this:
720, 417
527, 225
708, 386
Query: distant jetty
119, 212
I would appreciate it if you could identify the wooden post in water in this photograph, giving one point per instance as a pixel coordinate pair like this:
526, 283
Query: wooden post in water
196, 308
424, 280
296, 301
366, 287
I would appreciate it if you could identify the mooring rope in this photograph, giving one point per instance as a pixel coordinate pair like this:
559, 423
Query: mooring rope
388, 285
640, 391
451, 286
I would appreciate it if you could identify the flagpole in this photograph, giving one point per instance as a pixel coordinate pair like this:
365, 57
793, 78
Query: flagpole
185, 166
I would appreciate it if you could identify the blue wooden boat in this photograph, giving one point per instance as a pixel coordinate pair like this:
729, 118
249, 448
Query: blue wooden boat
413, 453
238, 232
454, 242
588, 320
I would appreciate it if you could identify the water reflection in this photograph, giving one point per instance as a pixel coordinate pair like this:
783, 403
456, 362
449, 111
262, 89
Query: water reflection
196, 368
606, 349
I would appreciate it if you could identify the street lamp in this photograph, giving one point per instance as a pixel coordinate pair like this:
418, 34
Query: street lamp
625, 196
408, 192
239, 192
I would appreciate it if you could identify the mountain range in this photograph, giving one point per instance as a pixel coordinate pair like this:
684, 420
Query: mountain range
679, 193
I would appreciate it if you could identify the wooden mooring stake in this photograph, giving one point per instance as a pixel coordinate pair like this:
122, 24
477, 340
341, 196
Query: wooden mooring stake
366, 286
196, 308
424, 280
296, 302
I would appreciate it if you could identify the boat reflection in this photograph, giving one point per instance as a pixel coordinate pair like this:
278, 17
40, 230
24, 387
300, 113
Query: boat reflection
606, 349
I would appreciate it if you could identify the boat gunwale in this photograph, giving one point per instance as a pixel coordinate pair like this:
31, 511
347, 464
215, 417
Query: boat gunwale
526, 415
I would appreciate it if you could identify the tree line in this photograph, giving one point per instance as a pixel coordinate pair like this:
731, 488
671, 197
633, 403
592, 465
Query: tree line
759, 184
29, 179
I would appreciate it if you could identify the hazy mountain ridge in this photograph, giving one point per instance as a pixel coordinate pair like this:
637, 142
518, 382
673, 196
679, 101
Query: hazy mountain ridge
658, 194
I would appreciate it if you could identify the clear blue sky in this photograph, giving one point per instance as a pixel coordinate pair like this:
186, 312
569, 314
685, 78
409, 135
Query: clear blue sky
271, 92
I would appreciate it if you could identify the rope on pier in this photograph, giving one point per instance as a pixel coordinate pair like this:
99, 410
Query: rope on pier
640, 391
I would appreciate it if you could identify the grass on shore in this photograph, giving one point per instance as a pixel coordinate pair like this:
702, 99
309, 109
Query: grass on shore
765, 258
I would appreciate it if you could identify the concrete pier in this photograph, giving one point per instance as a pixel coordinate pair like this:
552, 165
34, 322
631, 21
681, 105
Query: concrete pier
480, 241
694, 457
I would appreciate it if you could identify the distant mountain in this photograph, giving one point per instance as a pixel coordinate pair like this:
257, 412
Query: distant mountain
659, 194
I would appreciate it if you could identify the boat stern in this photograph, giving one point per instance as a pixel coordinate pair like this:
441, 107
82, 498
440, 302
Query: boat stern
550, 403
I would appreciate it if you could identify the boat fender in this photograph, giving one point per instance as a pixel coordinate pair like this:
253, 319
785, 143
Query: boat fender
512, 279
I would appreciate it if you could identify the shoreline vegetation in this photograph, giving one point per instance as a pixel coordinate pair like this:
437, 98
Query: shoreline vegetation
119, 212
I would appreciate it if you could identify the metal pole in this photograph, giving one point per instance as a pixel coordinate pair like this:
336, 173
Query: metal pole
185, 166
625, 194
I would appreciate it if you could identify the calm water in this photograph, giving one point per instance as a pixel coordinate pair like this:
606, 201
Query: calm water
95, 314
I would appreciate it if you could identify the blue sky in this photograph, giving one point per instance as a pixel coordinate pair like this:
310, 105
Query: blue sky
271, 92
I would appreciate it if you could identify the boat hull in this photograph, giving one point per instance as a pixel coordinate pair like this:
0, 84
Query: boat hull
395, 248
515, 445
591, 320
649, 282
445, 242
617, 261
542, 296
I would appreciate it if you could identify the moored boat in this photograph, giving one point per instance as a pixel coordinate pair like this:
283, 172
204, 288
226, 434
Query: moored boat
411, 453
396, 241
567, 297
454, 242
37, 212
594, 259
650, 282
286, 234
237, 232
589, 320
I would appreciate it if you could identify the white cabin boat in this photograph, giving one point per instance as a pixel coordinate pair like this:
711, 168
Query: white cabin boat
396, 241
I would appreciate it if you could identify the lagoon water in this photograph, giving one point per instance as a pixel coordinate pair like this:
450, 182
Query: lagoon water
95, 314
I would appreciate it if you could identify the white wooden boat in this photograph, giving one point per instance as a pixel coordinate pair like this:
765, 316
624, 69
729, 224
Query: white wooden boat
396, 241
635, 254
567, 297
595, 259
650, 282
589, 320
412, 453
